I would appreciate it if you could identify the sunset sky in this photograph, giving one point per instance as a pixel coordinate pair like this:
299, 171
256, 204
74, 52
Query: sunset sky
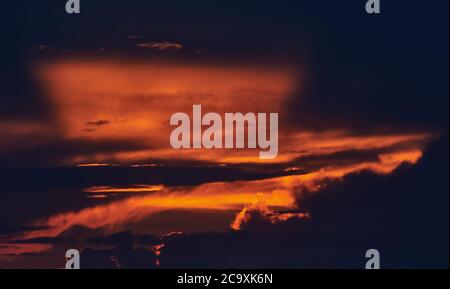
86, 162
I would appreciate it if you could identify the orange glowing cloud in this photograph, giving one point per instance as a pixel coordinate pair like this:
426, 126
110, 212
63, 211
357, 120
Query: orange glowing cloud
246, 197
101, 100
111, 217
132, 189
136, 100
245, 215
124, 99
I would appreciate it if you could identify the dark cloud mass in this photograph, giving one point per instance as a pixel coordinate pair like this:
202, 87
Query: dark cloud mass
98, 122
402, 215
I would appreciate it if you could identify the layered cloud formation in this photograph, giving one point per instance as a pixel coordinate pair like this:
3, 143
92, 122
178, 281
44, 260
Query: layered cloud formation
86, 163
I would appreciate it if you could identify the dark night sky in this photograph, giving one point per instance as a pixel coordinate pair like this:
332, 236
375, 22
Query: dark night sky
366, 74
